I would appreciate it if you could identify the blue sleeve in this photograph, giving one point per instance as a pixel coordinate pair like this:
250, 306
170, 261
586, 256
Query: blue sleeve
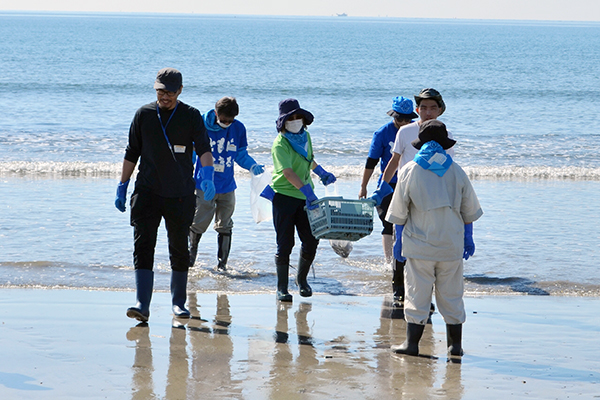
243, 158
376, 149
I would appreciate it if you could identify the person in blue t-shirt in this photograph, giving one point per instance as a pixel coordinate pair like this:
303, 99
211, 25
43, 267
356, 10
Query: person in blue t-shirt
228, 143
381, 149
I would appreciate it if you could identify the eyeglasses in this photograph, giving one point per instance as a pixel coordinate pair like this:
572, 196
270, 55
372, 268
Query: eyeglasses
161, 93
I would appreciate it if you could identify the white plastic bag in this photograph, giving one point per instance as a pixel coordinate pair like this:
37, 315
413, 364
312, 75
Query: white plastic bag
261, 208
341, 247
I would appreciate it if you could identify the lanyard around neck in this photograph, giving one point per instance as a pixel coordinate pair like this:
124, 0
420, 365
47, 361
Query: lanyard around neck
164, 127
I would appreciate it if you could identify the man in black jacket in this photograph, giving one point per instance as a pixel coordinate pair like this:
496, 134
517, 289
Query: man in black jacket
162, 136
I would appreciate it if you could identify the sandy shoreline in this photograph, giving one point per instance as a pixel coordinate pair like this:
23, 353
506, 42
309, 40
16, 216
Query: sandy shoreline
63, 344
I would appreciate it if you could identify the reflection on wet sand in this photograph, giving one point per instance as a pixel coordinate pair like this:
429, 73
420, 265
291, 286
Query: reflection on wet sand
306, 351
142, 385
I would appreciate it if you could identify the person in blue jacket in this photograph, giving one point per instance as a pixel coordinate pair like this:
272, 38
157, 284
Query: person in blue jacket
381, 149
228, 144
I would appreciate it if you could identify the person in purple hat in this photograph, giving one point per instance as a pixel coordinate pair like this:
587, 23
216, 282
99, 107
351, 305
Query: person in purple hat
162, 136
381, 149
292, 190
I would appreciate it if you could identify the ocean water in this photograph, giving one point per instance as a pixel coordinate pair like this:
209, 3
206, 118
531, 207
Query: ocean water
520, 96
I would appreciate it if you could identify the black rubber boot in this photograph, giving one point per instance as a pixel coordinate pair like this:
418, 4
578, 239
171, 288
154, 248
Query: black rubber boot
283, 267
194, 240
454, 339
304, 264
411, 344
179, 293
144, 282
398, 283
224, 240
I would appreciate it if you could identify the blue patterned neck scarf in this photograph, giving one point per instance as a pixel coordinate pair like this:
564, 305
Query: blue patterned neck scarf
299, 142
433, 157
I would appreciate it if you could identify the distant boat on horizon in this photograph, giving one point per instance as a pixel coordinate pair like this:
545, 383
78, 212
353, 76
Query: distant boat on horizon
342, 15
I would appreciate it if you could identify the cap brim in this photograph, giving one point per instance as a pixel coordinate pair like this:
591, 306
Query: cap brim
162, 86
395, 114
447, 143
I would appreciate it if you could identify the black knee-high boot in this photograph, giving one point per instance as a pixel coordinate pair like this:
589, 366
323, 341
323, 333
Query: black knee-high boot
454, 339
283, 267
304, 264
411, 344
224, 241
398, 281
194, 240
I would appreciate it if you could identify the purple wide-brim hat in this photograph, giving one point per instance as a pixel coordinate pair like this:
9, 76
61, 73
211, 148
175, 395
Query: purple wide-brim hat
289, 107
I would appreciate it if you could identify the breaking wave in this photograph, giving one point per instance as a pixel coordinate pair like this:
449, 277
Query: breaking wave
77, 169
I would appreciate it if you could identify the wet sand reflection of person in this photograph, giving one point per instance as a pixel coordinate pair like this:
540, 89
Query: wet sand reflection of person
178, 370
289, 378
212, 352
142, 385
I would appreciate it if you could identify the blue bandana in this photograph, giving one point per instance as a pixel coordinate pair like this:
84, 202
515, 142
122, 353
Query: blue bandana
433, 157
299, 142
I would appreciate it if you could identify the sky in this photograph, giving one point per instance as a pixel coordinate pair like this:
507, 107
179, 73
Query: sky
558, 10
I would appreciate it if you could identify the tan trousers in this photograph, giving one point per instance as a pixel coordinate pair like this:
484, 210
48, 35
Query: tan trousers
421, 277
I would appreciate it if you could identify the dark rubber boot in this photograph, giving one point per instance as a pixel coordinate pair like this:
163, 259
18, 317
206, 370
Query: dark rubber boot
144, 282
194, 240
179, 293
224, 240
454, 339
411, 344
398, 283
283, 268
304, 264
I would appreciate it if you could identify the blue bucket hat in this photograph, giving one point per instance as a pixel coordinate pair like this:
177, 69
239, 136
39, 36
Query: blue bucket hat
289, 107
402, 108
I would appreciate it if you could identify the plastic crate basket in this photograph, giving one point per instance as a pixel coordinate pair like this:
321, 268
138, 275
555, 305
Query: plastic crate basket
341, 219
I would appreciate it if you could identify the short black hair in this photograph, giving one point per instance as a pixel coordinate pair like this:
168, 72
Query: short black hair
227, 106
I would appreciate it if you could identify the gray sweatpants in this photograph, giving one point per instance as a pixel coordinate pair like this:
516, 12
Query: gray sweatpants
221, 207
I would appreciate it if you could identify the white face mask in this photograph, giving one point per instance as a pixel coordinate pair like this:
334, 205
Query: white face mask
294, 126
222, 125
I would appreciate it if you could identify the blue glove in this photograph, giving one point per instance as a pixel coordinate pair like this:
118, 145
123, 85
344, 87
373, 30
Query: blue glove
268, 193
257, 169
469, 244
327, 178
382, 191
121, 196
398, 243
205, 182
244, 160
310, 196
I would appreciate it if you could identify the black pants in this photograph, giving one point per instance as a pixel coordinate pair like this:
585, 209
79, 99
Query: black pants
382, 209
289, 214
147, 210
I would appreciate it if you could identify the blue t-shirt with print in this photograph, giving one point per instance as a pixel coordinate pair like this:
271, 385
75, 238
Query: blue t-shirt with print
225, 145
381, 146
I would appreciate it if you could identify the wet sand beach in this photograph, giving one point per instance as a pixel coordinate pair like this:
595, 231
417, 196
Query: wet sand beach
72, 344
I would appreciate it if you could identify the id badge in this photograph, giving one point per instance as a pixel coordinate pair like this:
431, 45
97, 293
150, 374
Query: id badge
219, 167
179, 149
